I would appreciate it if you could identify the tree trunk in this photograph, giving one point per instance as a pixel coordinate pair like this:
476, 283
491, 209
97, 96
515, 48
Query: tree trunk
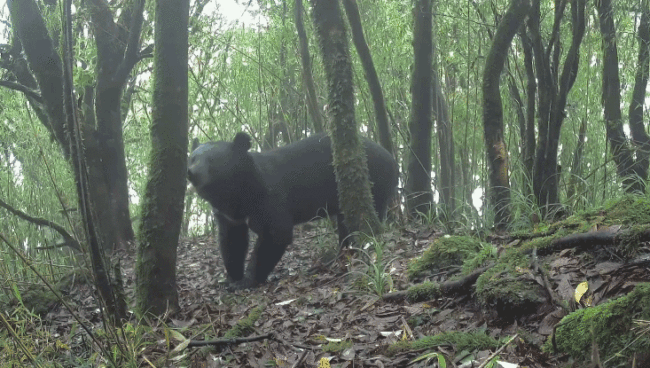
419, 195
531, 89
497, 153
307, 76
521, 123
162, 210
350, 161
117, 53
576, 163
639, 136
110, 289
553, 99
446, 143
383, 127
611, 99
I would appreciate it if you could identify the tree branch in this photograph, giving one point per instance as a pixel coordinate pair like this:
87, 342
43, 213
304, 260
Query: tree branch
39, 221
24, 89
131, 55
222, 342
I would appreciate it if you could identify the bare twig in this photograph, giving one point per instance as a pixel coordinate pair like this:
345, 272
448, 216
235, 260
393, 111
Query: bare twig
225, 342
499, 350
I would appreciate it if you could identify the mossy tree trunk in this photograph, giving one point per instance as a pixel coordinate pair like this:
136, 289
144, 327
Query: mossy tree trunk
117, 53
162, 210
611, 98
350, 161
383, 127
419, 194
497, 152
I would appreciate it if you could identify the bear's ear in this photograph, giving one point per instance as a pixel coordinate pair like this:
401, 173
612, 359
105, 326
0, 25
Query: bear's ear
195, 144
242, 142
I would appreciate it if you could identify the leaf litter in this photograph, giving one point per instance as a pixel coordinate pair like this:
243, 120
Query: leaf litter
326, 316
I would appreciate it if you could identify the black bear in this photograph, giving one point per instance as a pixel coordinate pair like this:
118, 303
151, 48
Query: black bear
270, 192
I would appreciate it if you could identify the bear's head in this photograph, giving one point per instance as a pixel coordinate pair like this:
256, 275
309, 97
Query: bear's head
225, 175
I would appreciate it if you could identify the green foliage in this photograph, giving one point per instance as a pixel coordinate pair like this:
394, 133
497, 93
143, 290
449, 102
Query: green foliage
442, 363
375, 274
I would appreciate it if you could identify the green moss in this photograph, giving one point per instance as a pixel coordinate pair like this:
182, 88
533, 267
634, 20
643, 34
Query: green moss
444, 251
459, 340
424, 291
337, 347
487, 252
245, 326
510, 290
628, 211
630, 240
609, 326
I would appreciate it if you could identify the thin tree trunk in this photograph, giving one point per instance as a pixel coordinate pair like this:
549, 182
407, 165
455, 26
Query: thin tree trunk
307, 75
349, 159
640, 138
521, 123
531, 89
419, 195
383, 127
576, 163
497, 153
162, 211
446, 143
611, 99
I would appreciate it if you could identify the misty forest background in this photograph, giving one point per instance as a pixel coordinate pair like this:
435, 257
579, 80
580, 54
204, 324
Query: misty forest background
497, 123
248, 77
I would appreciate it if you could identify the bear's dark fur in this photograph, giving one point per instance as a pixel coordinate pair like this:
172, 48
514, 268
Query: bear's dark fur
270, 192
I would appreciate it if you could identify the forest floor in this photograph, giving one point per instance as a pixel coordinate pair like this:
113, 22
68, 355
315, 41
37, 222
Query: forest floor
333, 314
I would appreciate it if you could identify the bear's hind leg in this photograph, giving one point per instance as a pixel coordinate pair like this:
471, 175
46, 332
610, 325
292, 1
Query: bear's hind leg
233, 243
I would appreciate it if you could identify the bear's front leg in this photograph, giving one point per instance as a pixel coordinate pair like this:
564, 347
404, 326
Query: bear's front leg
233, 243
269, 248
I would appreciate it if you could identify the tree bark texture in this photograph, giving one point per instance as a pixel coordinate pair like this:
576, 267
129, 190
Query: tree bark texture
553, 99
350, 161
383, 127
117, 54
162, 211
307, 76
611, 99
104, 148
640, 138
419, 194
110, 289
497, 153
